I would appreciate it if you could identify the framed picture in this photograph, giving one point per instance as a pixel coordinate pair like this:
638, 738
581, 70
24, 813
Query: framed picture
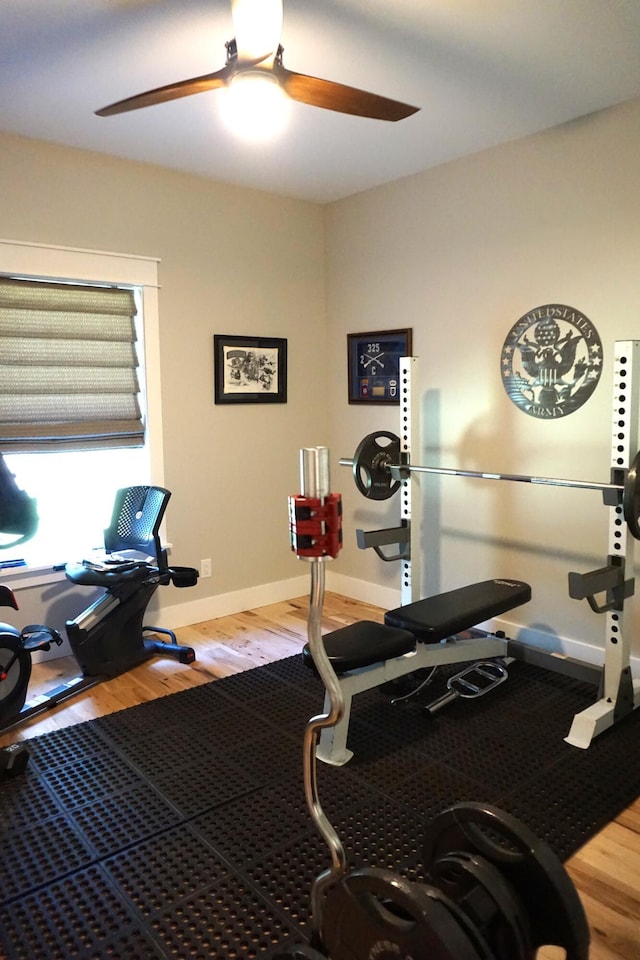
374, 365
249, 369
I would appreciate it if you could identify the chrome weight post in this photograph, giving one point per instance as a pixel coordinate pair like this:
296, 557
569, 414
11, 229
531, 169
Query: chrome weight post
315, 526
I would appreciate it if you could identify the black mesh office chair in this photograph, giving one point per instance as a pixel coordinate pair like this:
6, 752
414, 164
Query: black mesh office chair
108, 638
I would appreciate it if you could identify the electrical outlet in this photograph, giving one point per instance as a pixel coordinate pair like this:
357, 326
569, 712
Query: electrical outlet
205, 568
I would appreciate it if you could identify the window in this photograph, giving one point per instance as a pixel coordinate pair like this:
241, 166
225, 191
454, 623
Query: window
74, 489
68, 367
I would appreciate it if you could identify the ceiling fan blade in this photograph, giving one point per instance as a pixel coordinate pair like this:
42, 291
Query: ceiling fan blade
172, 91
257, 25
338, 97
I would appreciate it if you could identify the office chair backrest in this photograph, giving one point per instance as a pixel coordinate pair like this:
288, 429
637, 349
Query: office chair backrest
135, 522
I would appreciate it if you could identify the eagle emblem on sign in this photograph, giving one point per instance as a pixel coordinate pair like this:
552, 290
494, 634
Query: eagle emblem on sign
551, 361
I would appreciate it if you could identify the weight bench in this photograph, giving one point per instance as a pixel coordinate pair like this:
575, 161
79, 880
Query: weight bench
418, 635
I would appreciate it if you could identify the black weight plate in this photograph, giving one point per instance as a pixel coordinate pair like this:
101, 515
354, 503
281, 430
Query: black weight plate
371, 465
463, 920
481, 890
631, 497
374, 912
526, 862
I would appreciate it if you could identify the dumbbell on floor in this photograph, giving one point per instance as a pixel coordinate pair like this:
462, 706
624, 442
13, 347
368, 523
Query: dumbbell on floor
13, 760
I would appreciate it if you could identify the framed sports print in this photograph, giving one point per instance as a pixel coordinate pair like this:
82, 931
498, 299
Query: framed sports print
374, 365
250, 369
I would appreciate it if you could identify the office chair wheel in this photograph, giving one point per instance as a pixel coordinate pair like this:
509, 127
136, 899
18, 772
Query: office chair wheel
15, 671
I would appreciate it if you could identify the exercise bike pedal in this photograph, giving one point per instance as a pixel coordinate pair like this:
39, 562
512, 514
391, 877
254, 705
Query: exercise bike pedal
38, 637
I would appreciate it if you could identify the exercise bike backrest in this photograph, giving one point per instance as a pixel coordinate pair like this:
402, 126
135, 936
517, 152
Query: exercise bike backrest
133, 551
135, 522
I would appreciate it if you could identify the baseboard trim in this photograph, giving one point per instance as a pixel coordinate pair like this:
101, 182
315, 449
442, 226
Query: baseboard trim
553, 644
386, 597
226, 604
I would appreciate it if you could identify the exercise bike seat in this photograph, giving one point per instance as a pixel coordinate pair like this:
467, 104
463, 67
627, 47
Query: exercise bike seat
127, 575
91, 575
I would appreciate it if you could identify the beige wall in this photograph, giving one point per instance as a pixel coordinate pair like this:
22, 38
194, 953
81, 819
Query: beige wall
459, 253
233, 261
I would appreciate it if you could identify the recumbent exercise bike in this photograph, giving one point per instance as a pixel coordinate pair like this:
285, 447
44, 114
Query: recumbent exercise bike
108, 638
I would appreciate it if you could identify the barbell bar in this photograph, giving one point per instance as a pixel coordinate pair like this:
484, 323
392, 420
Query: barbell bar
378, 471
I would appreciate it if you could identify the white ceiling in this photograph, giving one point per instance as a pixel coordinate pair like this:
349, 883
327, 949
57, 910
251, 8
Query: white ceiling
482, 72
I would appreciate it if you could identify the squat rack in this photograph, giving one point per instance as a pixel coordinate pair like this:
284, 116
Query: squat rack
619, 693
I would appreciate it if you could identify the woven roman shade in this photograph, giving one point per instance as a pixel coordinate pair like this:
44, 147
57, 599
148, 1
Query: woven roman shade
68, 367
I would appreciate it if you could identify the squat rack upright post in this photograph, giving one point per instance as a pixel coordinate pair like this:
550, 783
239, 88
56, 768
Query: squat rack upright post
619, 693
410, 506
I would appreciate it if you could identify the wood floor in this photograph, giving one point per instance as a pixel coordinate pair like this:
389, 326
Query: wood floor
606, 871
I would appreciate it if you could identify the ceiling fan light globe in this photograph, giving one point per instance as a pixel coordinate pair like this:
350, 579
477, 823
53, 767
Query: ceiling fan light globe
254, 106
257, 26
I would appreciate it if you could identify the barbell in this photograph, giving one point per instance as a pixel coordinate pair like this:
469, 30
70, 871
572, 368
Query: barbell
378, 471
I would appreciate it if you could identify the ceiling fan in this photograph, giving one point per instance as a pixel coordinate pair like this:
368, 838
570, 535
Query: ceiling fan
256, 49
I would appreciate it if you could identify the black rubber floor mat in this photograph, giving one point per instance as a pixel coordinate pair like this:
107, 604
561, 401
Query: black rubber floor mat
179, 828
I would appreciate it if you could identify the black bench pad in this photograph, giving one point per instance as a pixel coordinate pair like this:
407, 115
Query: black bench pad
436, 618
361, 644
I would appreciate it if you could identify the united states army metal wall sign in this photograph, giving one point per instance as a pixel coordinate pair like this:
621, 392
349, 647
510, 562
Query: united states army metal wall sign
551, 361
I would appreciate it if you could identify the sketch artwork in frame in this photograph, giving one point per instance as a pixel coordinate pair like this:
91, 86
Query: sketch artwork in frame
374, 365
250, 369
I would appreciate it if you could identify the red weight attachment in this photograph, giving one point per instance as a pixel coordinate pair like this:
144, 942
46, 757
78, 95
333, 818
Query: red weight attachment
315, 525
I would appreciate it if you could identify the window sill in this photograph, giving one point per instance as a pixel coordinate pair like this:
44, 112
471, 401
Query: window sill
20, 577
